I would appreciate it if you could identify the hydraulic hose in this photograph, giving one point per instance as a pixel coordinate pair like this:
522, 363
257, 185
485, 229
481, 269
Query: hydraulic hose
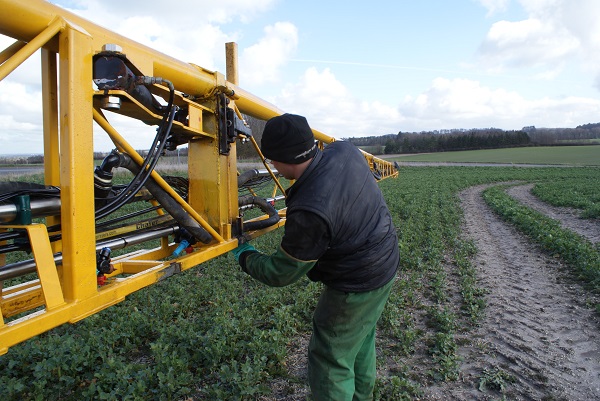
265, 207
170, 204
247, 176
159, 143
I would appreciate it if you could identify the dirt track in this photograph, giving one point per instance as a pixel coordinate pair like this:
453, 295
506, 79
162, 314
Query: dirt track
569, 218
537, 329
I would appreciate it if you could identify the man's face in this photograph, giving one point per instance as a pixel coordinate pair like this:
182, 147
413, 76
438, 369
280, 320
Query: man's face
284, 169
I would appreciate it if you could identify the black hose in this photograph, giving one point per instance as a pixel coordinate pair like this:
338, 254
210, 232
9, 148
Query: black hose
265, 207
151, 159
170, 204
136, 184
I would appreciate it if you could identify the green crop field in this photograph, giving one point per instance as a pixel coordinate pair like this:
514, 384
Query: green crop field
213, 333
551, 155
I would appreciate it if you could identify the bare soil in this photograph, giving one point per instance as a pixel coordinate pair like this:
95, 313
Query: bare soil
538, 329
539, 338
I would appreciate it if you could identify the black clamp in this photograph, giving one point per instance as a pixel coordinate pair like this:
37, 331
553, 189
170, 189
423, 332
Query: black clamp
230, 126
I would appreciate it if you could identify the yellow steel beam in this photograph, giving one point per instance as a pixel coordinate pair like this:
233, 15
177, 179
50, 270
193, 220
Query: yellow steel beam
23, 54
11, 50
76, 163
51, 123
50, 117
20, 298
46, 268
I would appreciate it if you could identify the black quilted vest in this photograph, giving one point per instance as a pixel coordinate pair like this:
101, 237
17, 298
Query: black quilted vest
339, 187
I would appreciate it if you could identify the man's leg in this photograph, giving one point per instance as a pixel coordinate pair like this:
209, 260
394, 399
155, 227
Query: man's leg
365, 370
330, 357
341, 324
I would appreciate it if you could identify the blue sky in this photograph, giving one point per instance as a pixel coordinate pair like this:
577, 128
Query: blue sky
356, 68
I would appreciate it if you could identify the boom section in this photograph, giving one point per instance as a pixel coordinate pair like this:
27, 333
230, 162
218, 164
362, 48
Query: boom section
87, 233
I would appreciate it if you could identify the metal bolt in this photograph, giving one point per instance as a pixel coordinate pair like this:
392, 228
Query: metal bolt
111, 47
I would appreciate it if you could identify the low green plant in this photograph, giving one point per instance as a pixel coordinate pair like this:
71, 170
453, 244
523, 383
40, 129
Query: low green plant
396, 388
581, 193
443, 350
495, 379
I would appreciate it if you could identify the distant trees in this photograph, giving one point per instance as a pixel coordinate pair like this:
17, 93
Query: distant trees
409, 142
482, 138
421, 142
580, 135
32, 159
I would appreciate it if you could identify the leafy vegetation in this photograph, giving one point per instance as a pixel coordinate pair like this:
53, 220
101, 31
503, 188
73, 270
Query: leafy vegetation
581, 194
495, 379
213, 333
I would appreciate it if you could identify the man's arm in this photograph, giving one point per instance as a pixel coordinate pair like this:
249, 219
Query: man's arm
306, 238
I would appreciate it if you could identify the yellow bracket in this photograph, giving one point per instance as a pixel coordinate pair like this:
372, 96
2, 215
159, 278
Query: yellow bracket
47, 290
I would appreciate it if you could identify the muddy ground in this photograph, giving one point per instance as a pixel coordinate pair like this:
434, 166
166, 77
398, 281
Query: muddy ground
539, 338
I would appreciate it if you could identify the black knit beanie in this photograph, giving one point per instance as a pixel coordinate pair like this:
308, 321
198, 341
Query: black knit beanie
288, 139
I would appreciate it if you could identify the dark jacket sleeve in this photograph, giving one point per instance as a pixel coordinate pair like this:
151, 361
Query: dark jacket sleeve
306, 235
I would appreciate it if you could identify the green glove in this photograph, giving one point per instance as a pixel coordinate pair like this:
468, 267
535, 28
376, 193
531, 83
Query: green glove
245, 247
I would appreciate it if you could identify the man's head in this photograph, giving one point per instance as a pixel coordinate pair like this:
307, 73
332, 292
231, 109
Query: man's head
288, 139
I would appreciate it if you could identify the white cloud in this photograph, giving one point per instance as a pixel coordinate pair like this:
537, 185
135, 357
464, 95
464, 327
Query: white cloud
494, 6
20, 118
261, 62
556, 33
448, 103
203, 44
528, 43
462, 103
331, 108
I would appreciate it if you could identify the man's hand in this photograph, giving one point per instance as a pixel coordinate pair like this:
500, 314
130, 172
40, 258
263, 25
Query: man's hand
237, 252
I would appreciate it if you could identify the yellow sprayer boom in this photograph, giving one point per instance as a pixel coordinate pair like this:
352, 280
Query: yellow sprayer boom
67, 225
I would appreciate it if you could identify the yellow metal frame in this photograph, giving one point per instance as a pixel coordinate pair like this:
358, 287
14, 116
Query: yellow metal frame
69, 292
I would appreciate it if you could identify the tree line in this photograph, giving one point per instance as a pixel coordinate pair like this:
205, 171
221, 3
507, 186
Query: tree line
473, 139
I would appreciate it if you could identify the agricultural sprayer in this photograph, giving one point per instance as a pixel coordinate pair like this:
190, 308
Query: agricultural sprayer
70, 225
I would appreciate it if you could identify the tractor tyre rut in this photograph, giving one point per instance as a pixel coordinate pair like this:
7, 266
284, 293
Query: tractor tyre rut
538, 339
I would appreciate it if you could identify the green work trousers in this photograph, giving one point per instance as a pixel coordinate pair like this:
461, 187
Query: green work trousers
341, 353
